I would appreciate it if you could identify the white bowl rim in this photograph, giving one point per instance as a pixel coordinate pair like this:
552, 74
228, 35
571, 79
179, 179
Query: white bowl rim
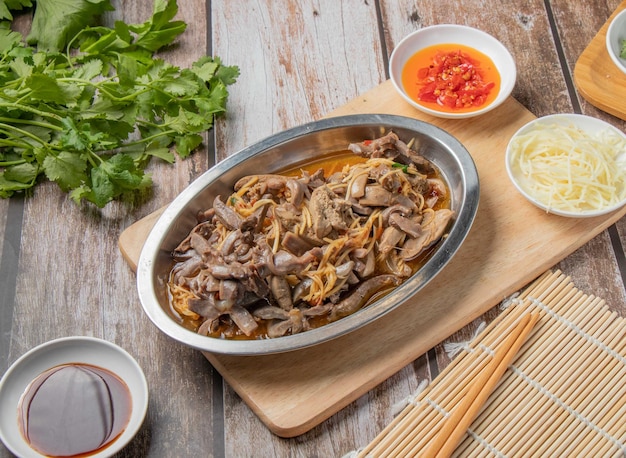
507, 84
579, 120
63, 350
611, 36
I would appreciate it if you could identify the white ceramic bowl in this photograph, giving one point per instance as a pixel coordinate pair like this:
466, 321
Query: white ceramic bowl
614, 35
450, 34
87, 350
590, 125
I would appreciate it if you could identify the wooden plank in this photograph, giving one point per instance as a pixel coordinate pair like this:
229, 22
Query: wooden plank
299, 61
71, 280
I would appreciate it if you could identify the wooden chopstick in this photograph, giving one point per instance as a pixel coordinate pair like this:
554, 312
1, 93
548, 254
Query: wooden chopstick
456, 424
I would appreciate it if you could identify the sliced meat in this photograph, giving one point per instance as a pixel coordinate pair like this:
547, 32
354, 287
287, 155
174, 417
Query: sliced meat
204, 307
389, 240
409, 226
270, 312
293, 325
297, 190
281, 291
271, 181
357, 188
376, 196
359, 297
243, 319
374, 148
432, 230
409, 156
227, 216
285, 263
297, 244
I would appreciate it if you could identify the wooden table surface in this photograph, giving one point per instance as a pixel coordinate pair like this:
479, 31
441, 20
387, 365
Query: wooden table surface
61, 272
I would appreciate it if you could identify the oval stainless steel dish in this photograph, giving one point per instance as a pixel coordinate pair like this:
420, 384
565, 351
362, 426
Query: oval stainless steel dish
281, 151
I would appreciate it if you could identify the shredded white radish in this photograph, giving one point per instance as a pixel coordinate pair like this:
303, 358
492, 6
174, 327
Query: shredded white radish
570, 170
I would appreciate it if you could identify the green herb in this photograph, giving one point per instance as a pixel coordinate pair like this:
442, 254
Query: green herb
622, 53
88, 106
397, 165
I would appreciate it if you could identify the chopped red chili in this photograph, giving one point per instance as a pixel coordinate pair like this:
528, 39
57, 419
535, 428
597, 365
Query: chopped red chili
453, 80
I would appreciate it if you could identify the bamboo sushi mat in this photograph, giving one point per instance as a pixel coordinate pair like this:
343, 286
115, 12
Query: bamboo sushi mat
564, 395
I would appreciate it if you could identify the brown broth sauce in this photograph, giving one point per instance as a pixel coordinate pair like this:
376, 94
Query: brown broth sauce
331, 163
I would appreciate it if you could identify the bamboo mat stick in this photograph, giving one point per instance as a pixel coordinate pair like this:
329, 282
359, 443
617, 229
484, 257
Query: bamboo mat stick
456, 425
489, 424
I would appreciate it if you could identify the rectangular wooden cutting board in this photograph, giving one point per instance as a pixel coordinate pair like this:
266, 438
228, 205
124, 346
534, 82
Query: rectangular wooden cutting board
510, 244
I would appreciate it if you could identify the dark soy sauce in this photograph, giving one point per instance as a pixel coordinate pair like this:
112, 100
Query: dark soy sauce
74, 410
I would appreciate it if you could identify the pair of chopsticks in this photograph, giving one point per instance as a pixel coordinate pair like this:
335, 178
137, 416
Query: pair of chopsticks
455, 426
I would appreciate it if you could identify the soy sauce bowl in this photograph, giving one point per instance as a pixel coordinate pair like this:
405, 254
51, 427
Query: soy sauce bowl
70, 350
453, 34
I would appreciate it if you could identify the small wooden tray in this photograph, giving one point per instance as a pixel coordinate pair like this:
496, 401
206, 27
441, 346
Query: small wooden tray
596, 76
510, 244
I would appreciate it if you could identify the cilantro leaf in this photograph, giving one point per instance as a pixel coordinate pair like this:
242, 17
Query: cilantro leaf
112, 177
25, 173
45, 89
9, 39
56, 21
9, 187
6, 6
187, 143
66, 169
160, 30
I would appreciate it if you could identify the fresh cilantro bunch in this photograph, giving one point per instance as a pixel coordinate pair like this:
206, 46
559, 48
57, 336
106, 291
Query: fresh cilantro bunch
88, 106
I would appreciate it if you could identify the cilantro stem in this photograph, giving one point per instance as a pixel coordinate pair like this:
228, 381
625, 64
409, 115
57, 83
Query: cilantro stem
8, 163
91, 156
44, 114
30, 122
152, 137
23, 132
98, 85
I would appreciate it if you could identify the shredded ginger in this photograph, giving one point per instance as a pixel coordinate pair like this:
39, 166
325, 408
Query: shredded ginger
570, 170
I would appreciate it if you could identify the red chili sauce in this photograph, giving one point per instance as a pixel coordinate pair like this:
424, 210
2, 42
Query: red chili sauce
451, 78
74, 410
